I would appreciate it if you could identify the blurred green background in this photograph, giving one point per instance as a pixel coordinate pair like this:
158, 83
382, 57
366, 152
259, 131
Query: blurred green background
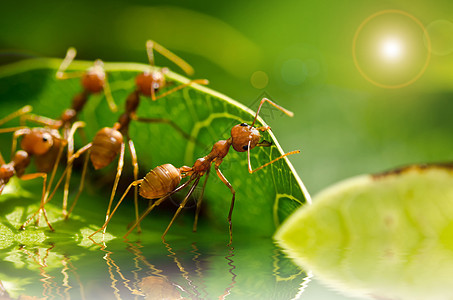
299, 53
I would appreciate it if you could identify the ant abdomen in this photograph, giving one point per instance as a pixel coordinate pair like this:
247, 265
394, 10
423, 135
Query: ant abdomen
160, 181
106, 146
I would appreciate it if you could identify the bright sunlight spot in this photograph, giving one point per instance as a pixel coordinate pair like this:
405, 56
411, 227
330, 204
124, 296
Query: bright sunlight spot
391, 49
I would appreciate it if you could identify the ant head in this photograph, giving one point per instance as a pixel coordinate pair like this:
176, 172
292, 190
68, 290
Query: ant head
94, 79
149, 80
242, 134
38, 141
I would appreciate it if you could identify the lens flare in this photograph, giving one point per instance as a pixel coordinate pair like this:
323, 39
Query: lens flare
391, 49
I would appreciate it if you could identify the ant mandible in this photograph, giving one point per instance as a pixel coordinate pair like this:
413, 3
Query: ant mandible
163, 181
36, 142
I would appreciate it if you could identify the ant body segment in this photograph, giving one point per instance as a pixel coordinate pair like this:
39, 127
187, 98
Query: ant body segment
37, 143
163, 181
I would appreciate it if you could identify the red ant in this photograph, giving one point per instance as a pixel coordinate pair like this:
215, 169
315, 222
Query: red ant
38, 143
151, 81
93, 81
163, 181
108, 142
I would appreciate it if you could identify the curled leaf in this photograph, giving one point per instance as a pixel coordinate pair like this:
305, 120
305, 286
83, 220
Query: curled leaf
387, 236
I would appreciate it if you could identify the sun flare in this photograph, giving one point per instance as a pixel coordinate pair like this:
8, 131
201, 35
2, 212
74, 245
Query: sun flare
391, 49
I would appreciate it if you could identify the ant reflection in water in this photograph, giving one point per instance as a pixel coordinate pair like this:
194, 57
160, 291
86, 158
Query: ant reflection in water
155, 286
174, 281
48, 263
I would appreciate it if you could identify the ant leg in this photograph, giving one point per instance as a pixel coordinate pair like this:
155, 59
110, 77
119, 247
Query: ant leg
228, 184
135, 166
70, 55
70, 139
16, 135
81, 186
117, 179
200, 198
268, 163
108, 96
41, 120
104, 227
156, 203
289, 113
43, 199
169, 122
83, 135
22, 111
55, 166
181, 86
12, 129
2, 160
69, 166
152, 45
46, 190
181, 206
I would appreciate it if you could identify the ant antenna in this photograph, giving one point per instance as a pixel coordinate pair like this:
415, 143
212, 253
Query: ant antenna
268, 163
22, 111
152, 45
287, 112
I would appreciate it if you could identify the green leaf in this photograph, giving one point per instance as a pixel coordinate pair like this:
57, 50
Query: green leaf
389, 235
263, 199
67, 264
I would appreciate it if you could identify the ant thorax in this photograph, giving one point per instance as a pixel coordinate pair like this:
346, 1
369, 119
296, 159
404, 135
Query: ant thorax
201, 165
242, 134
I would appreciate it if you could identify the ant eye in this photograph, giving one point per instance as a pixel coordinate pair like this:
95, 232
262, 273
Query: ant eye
46, 138
245, 147
244, 124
